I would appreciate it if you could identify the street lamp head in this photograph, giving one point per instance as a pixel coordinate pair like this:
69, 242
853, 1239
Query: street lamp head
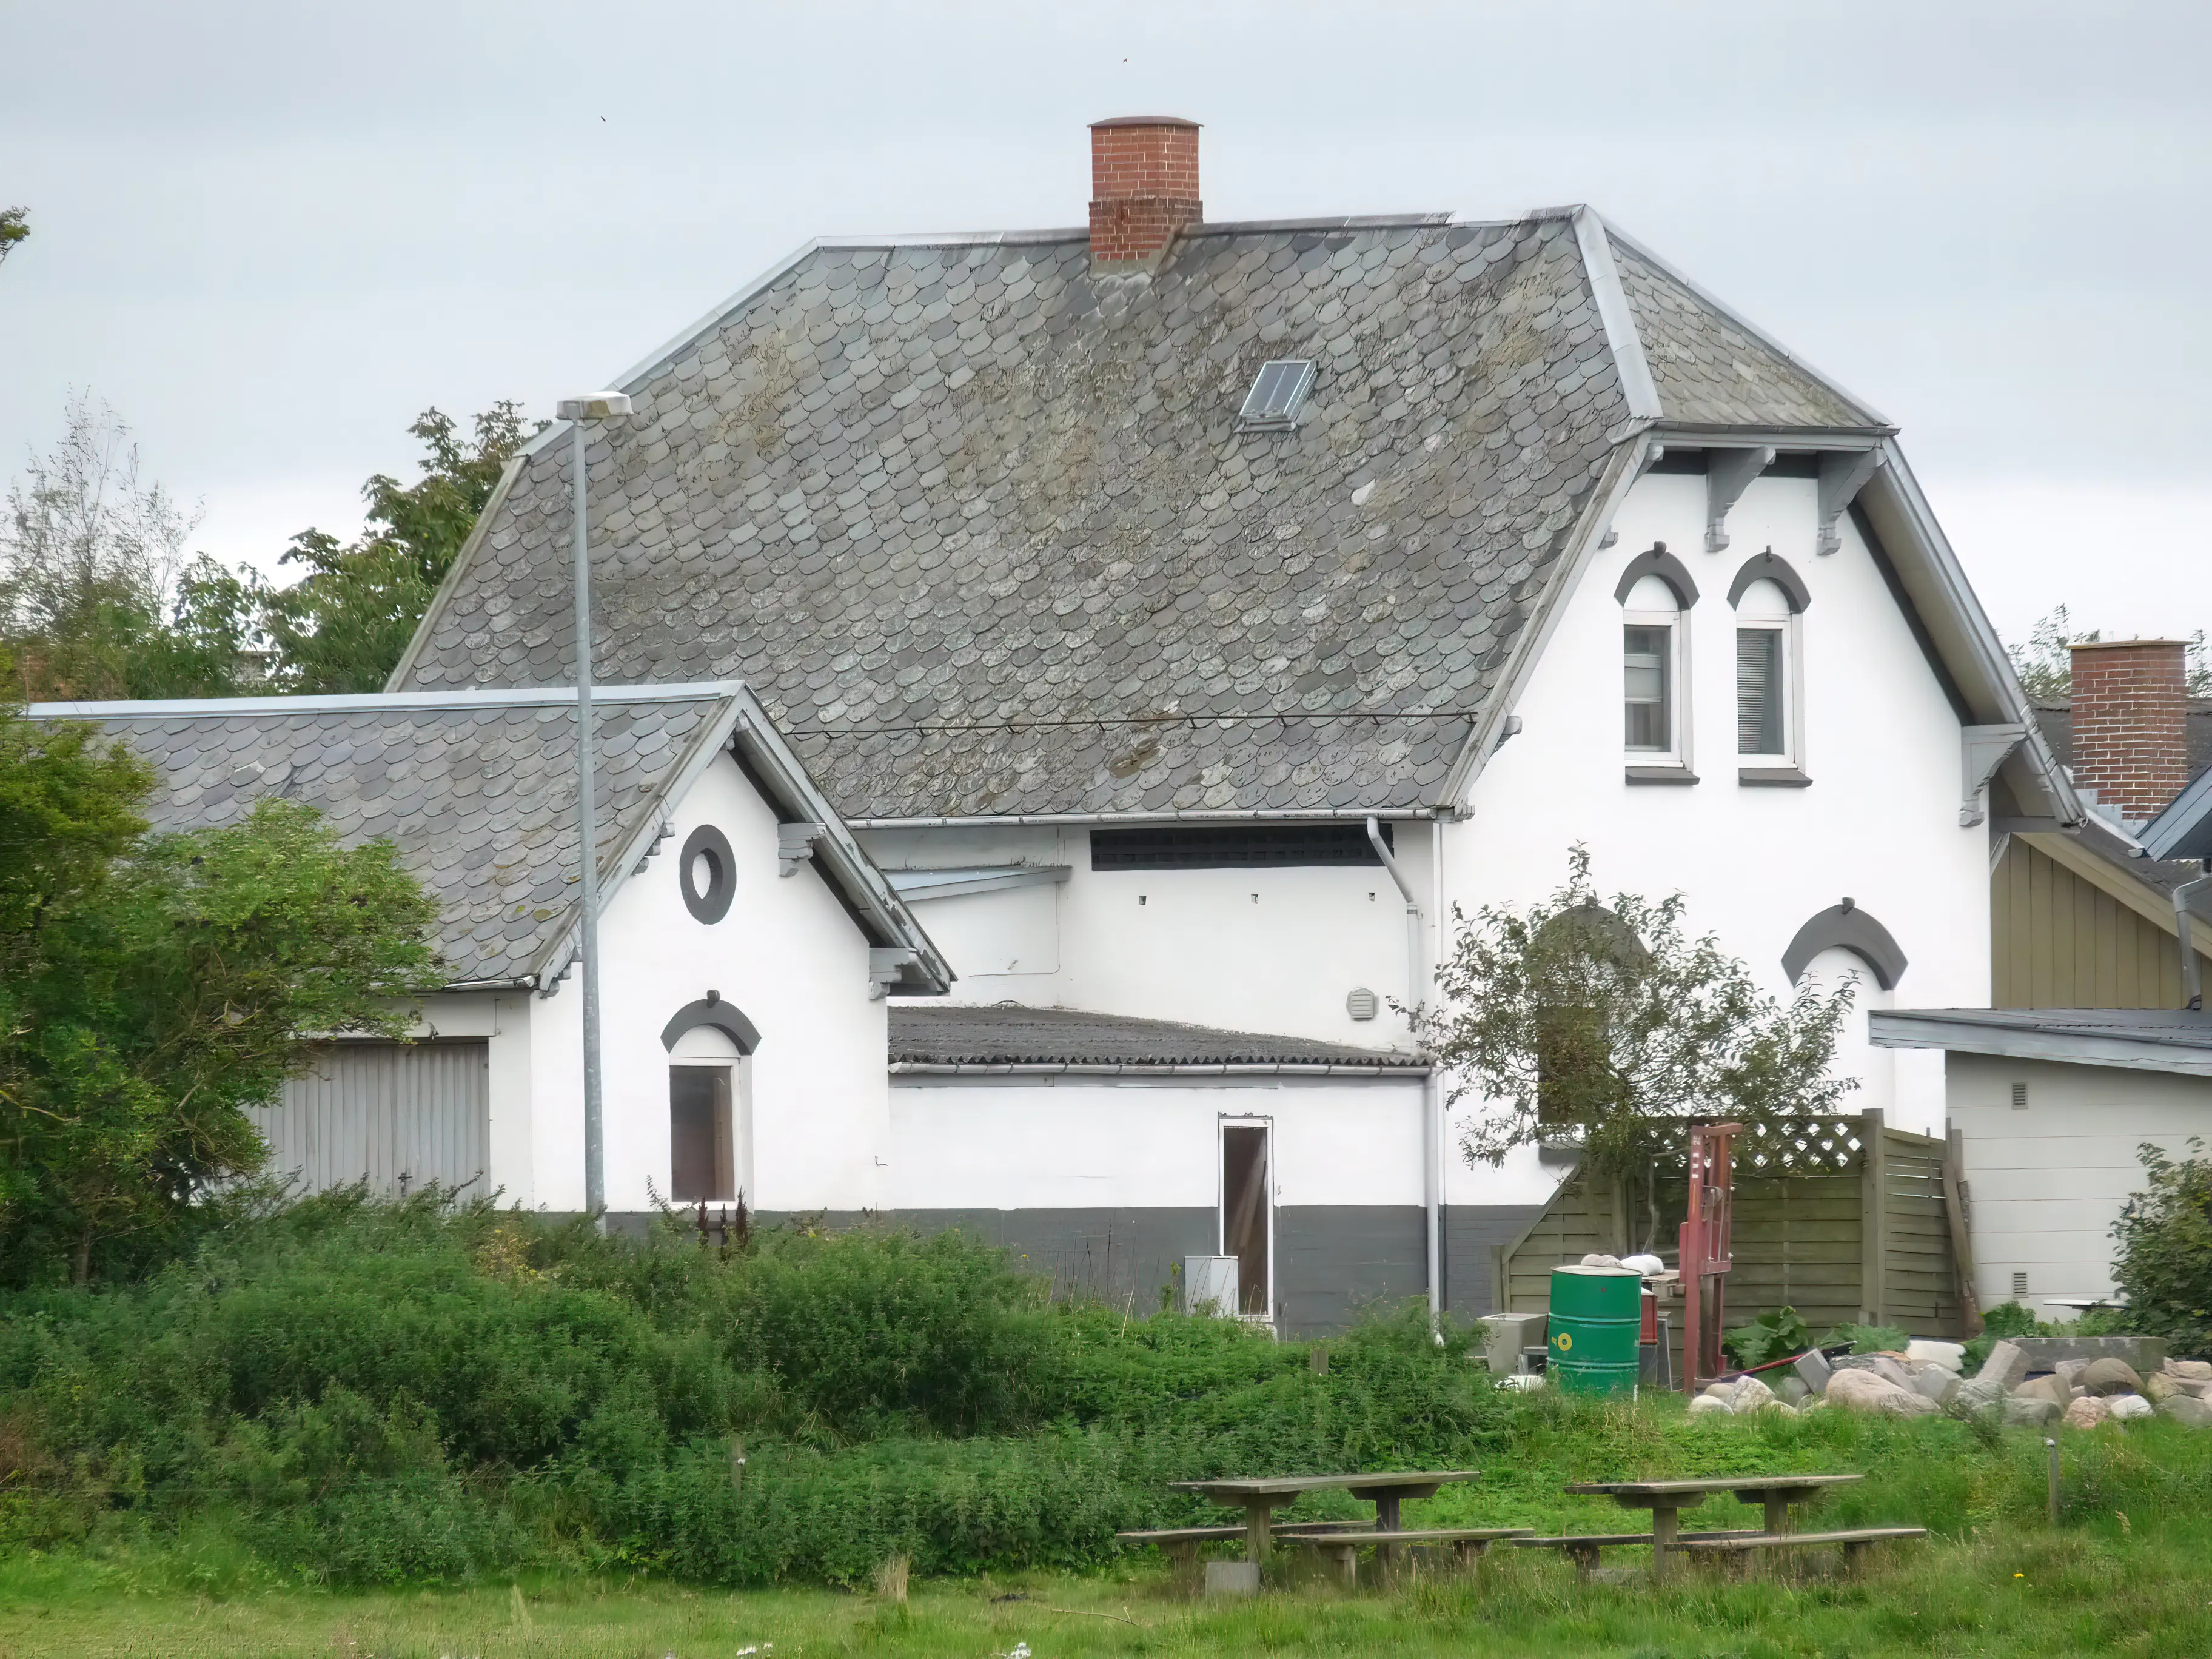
597, 406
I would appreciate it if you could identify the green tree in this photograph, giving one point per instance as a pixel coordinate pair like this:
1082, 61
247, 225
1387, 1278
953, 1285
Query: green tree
97, 598
153, 986
343, 624
2045, 663
1605, 1023
15, 226
2163, 1264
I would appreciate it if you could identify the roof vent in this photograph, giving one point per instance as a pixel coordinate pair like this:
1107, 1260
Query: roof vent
1277, 394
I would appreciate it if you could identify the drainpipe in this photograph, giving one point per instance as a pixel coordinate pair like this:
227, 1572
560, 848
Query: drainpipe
1430, 1195
2192, 986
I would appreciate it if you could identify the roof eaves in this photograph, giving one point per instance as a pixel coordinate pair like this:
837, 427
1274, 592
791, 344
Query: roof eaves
1690, 435
1959, 1030
841, 857
1628, 359
2182, 823
1873, 416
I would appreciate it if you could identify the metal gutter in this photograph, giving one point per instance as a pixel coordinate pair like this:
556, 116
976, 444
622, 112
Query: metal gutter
1046, 820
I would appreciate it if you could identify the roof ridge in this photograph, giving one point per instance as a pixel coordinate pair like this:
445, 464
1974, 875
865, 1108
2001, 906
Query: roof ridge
378, 701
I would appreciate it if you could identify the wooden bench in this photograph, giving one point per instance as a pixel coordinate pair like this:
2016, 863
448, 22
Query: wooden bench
1855, 1542
1342, 1550
1180, 1544
1582, 1547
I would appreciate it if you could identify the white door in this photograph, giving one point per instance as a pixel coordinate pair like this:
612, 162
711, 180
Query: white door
395, 1115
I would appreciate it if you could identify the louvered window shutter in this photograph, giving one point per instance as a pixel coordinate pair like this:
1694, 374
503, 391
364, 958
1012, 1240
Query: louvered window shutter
1758, 691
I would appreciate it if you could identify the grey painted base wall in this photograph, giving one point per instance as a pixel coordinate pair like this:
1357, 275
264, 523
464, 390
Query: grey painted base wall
1332, 1260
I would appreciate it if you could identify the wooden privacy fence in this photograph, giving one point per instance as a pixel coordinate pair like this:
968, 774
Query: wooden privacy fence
1843, 1219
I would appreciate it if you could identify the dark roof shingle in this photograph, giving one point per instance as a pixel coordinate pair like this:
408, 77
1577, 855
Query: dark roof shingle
1007, 1035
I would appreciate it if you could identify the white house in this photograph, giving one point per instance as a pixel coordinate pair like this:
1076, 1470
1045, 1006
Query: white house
746, 941
1187, 616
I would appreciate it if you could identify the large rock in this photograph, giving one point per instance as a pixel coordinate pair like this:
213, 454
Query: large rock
2006, 1367
1937, 1383
2127, 1407
2158, 1387
1791, 1391
2188, 1409
2193, 1370
2034, 1412
1977, 1394
1888, 1366
2053, 1388
2107, 1378
1708, 1405
1749, 1395
2071, 1369
1862, 1390
2086, 1413
1813, 1366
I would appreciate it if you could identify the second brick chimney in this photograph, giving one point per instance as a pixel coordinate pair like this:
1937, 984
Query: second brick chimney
1143, 188
2132, 723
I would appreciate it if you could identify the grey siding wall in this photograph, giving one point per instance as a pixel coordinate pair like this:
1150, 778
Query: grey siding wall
1472, 1232
380, 1111
1332, 1260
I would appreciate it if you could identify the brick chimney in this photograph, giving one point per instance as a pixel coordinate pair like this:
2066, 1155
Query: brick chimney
2131, 723
1144, 189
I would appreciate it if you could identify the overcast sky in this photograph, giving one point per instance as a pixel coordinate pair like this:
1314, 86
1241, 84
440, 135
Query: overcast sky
270, 233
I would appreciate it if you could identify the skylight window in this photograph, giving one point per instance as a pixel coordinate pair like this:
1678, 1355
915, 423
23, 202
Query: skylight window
1278, 394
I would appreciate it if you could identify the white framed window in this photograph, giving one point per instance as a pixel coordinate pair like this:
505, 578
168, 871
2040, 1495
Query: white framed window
1767, 677
1654, 650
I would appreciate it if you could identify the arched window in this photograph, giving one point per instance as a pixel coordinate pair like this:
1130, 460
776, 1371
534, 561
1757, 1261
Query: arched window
1768, 597
710, 1116
1654, 652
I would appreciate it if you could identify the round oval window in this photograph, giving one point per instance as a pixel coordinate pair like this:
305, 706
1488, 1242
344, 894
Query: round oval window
706, 867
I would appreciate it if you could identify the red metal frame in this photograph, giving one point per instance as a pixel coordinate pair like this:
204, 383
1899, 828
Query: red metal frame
1707, 1256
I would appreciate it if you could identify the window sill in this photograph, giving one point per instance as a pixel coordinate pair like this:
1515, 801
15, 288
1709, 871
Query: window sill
1661, 774
1771, 777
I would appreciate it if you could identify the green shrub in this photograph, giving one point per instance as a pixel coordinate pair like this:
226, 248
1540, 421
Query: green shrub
2163, 1264
1776, 1334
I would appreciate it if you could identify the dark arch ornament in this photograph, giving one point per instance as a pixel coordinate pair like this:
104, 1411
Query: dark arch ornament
711, 1009
1768, 567
712, 904
1657, 561
1845, 926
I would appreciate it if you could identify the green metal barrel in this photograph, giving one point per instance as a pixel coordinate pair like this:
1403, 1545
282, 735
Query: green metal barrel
1596, 1315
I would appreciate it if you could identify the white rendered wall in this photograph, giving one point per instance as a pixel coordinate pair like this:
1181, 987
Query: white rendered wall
2048, 1182
1878, 824
788, 955
1243, 950
987, 1143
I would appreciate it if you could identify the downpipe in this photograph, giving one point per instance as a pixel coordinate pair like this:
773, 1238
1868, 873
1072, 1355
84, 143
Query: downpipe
1431, 1197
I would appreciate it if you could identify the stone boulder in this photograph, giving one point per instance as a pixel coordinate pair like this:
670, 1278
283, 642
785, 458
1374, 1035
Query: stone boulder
2071, 1369
1938, 1383
1977, 1394
2006, 1367
1862, 1390
2189, 1410
2052, 1388
1749, 1395
2125, 1408
2158, 1388
2106, 1377
1889, 1367
1708, 1405
1792, 1391
2087, 1411
2034, 1412
2192, 1370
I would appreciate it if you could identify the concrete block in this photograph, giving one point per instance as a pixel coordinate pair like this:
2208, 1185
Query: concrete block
2006, 1366
1232, 1578
1814, 1367
1509, 1334
1936, 1382
2144, 1353
1926, 1350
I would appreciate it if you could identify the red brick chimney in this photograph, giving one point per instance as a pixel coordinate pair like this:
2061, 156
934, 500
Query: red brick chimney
2131, 723
1143, 188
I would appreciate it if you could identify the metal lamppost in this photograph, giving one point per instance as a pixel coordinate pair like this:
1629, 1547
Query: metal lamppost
599, 406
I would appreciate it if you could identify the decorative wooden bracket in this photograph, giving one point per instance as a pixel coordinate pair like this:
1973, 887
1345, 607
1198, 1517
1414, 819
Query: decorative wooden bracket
1984, 749
1728, 473
794, 845
1844, 473
884, 964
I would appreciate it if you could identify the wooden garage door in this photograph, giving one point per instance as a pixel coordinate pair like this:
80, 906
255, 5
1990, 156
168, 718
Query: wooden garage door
397, 1114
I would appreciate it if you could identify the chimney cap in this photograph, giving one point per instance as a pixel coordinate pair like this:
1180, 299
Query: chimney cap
1145, 121
2125, 645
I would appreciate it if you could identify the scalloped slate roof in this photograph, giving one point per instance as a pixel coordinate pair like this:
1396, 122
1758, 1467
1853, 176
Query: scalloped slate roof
1053, 1036
480, 801
982, 532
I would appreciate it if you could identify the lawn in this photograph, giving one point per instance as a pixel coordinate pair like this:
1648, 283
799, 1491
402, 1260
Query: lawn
2093, 1589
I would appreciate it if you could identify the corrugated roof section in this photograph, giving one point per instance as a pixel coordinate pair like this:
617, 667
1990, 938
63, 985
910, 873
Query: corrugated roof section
1067, 1037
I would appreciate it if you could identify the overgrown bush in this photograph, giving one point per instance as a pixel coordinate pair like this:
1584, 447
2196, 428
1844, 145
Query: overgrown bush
2163, 1264
363, 1392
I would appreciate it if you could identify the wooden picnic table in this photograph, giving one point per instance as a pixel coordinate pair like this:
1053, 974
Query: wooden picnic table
1667, 1500
1261, 1496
